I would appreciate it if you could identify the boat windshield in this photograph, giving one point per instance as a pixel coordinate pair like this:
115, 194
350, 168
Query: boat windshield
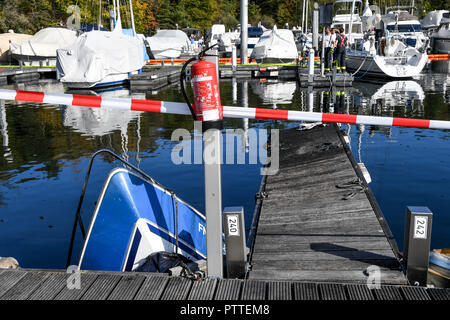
405, 28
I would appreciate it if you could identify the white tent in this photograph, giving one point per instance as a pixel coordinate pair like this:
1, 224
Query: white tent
168, 44
43, 45
277, 45
100, 58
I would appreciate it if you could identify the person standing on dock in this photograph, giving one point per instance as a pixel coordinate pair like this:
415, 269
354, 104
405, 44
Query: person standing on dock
340, 50
330, 42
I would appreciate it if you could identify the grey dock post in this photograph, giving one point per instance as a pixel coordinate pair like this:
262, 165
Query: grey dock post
311, 66
244, 31
233, 58
213, 193
417, 244
236, 249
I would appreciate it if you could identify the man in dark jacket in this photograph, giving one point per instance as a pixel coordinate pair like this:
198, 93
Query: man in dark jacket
340, 50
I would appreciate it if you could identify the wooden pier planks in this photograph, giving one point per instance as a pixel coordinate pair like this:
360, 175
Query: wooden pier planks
317, 223
52, 285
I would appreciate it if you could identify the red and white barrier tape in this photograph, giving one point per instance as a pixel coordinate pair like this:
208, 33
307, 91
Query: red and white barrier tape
228, 112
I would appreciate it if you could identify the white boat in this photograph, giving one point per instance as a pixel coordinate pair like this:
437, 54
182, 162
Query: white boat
396, 60
254, 33
347, 19
440, 40
42, 47
166, 44
6, 39
100, 59
214, 33
227, 41
275, 46
405, 27
432, 21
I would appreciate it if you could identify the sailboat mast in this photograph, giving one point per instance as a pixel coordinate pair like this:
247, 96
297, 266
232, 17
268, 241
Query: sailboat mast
303, 16
118, 14
99, 13
351, 22
132, 18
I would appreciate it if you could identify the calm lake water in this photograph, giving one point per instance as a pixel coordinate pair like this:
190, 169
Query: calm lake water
46, 150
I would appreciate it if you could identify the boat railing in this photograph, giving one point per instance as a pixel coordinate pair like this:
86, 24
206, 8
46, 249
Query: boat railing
78, 219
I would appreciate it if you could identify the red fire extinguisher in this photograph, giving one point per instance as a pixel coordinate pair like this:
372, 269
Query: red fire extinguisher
207, 106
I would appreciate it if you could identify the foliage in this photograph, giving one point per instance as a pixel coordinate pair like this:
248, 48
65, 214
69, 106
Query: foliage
29, 16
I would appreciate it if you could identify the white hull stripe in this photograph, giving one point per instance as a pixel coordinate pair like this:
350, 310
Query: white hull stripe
228, 112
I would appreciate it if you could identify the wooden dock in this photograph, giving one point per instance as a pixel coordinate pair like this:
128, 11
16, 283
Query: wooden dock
319, 221
53, 285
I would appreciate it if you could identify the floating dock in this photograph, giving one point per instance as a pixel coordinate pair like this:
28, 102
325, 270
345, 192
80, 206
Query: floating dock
14, 74
53, 285
318, 220
155, 78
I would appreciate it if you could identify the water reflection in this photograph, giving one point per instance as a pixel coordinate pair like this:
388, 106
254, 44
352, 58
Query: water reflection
274, 93
47, 148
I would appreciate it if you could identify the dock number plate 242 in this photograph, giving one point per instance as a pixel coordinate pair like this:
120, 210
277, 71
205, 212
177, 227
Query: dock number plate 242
233, 225
420, 227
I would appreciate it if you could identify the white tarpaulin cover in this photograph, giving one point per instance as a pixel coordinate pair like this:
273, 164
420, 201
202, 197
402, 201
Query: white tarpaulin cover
277, 45
168, 43
45, 42
5, 38
97, 54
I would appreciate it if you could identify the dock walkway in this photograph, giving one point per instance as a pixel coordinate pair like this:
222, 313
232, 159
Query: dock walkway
320, 221
26, 284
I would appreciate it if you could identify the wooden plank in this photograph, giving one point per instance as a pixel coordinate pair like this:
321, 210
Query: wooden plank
102, 287
359, 292
127, 287
254, 290
152, 288
25, 286
325, 256
351, 276
203, 289
86, 280
306, 291
388, 293
338, 265
305, 244
332, 291
177, 289
51, 287
8, 278
439, 294
228, 289
279, 291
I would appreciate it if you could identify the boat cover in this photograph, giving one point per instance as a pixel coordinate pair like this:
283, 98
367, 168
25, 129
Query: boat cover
97, 54
168, 43
276, 44
45, 42
5, 38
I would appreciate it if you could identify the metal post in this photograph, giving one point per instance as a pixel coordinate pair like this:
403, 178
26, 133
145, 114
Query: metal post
303, 17
234, 227
417, 244
233, 58
306, 16
316, 27
244, 31
212, 157
311, 66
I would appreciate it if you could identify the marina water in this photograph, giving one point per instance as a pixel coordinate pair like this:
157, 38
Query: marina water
46, 150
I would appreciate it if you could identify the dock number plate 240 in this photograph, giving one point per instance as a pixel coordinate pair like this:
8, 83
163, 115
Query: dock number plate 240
233, 225
420, 227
